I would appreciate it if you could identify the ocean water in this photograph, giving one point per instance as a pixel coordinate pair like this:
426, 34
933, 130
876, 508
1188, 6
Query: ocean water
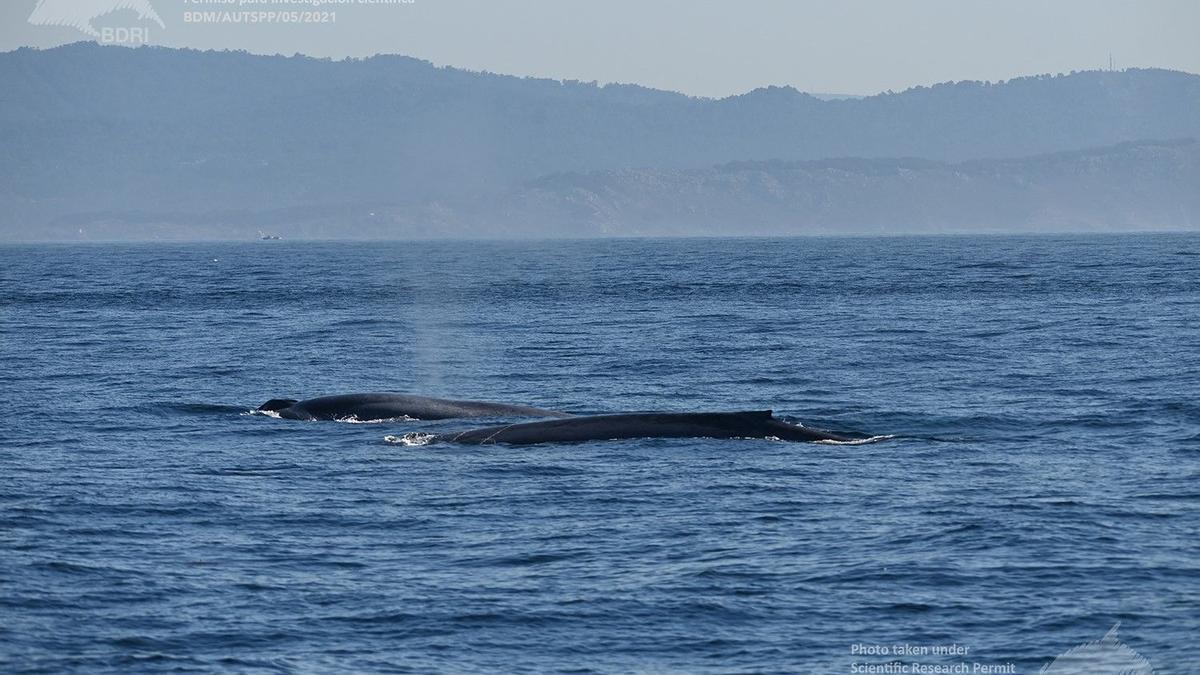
1043, 485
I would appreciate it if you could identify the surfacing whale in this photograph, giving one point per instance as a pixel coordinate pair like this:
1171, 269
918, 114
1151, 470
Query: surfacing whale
381, 406
752, 424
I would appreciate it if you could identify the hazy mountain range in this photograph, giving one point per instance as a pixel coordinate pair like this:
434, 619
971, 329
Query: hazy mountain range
155, 142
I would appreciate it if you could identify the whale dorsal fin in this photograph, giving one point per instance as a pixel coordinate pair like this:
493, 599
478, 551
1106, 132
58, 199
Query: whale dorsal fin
277, 404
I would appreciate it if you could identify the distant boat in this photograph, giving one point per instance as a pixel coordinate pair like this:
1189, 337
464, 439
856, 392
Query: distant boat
268, 237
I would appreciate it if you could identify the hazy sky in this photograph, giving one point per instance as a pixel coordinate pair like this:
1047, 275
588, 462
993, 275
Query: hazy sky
702, 47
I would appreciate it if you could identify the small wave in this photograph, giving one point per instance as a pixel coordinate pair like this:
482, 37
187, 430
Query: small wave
199, 408
857, 441
267, 470
412, 438
532, 470
987, 265
359, 323
265, 413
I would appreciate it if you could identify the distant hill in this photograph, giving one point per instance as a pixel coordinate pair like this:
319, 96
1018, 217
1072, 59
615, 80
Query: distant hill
174, 136
1132, 186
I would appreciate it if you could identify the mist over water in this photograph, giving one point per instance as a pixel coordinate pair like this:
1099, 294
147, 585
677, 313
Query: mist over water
1041, 486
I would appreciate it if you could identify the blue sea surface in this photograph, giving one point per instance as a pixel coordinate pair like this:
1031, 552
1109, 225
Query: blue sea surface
1043, 484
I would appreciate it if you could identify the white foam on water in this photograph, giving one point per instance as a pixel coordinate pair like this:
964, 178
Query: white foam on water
412, 438
857, 441
352, 419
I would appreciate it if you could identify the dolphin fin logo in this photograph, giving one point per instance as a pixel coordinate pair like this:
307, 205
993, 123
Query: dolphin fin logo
79, 14
1106, 656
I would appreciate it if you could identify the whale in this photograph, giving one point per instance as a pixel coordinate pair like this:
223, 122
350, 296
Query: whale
373, 407
747, 424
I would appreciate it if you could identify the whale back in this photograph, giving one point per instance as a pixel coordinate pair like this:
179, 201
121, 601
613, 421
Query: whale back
746, 424
389, 406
